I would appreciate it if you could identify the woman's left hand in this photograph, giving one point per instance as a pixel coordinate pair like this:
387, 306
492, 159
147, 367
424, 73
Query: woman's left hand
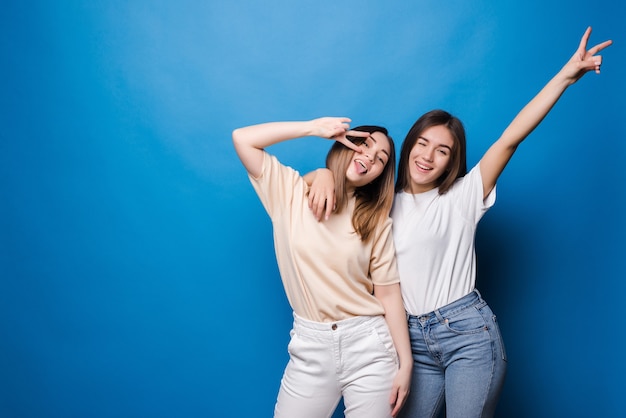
584, 60
400, 390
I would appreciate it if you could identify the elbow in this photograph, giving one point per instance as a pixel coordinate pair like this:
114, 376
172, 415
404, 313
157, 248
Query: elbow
388, 295
236, 135
240, 139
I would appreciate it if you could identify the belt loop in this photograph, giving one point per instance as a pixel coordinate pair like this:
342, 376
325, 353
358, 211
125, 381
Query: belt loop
439, 316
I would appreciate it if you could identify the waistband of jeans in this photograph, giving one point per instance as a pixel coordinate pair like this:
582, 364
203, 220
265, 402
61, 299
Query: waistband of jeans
354, 322
467, 301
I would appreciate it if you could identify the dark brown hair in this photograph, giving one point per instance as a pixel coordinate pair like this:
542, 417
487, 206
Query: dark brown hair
457, 166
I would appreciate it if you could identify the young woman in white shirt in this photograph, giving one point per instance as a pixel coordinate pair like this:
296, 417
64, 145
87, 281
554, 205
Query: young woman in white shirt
459, 357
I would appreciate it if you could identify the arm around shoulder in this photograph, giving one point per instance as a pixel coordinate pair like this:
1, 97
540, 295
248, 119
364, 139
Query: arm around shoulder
322, 198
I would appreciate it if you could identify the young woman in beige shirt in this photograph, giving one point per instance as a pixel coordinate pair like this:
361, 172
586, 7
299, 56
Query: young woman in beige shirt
350, 334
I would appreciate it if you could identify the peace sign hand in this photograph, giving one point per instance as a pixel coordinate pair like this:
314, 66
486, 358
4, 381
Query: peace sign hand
584, 60
337, 128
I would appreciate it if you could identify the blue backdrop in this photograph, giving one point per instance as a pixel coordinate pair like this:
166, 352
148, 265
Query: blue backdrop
137, 269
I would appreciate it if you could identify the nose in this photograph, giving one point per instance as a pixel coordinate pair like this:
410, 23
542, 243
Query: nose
428, 154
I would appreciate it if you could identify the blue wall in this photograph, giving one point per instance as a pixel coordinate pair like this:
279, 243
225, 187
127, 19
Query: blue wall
137, 269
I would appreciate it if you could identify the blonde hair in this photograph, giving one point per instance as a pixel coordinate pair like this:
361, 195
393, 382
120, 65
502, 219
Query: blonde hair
373, 200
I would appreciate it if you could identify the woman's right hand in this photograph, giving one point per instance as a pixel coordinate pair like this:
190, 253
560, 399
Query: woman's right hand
322, 193
337, 128
584, 60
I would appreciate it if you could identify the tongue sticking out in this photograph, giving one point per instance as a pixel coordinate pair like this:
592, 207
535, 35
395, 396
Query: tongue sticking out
360, 167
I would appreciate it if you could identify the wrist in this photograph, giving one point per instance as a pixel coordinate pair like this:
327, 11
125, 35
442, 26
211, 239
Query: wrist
310, 128
406, 368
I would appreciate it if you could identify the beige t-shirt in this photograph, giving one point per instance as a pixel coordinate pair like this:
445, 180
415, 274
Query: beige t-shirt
327, 271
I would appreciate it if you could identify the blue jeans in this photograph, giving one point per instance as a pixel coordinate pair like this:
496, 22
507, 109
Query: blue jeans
459, 361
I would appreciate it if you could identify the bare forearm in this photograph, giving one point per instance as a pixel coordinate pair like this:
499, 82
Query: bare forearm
391, 299
266, 134
396, 320
310, 177
534, 112
497, 157
250, 141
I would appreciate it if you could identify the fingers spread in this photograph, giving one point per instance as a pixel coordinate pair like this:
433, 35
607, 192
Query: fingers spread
345, 141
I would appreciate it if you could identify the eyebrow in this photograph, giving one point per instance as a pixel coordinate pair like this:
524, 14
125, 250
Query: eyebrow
376, 142
440, 145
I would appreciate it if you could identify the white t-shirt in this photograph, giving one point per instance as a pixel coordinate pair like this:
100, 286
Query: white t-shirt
434, 236
327, 271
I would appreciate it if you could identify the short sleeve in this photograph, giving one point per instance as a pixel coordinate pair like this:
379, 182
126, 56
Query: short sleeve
469, 195
383, 267
276, 184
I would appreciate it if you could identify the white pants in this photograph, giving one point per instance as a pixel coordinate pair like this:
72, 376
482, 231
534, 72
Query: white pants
354, 358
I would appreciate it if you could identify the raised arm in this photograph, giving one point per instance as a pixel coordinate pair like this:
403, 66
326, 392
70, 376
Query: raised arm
250, 141
496, 158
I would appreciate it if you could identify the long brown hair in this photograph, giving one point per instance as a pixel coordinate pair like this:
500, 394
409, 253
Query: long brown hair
457, 166
373, 200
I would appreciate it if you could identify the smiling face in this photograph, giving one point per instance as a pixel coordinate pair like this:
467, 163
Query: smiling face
429, 158
365, 167
423, 163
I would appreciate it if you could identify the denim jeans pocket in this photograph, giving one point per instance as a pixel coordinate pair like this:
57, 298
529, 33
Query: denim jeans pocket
468, 321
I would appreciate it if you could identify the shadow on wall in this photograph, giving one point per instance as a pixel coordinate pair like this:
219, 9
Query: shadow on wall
500, 262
